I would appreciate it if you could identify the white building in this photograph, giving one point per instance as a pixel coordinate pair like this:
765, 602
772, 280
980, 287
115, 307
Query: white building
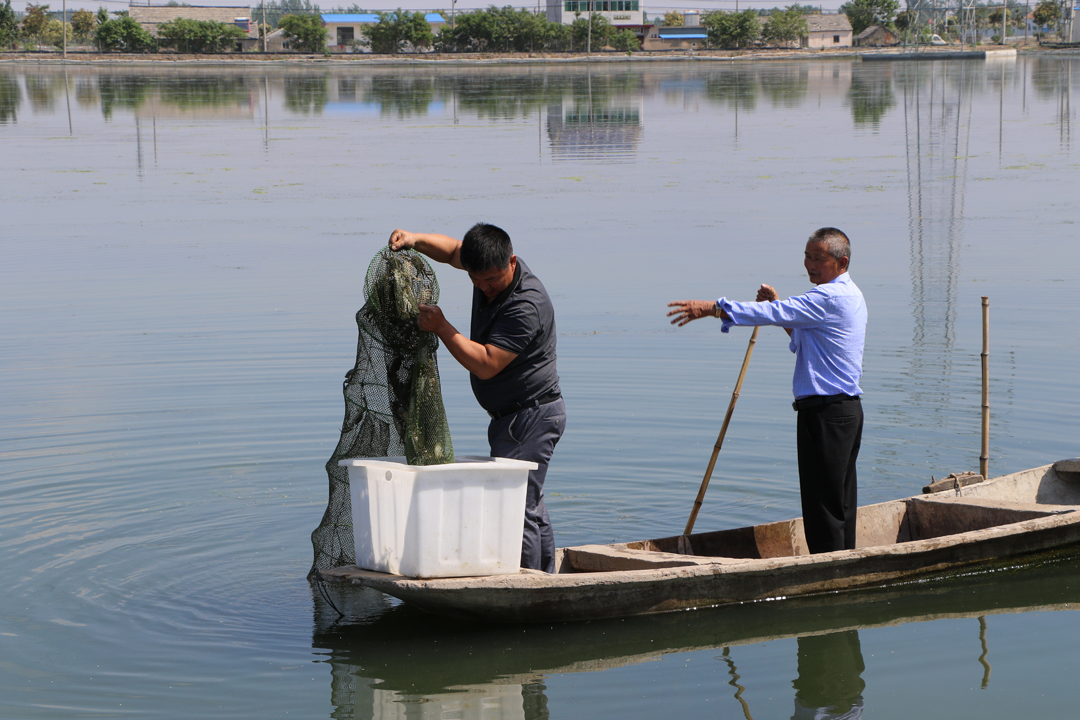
617, 12
343, 28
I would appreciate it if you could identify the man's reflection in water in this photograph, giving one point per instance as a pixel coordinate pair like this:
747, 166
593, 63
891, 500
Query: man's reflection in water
534, 701
830, 684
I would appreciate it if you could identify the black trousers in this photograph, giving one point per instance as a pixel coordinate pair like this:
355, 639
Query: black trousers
829, 437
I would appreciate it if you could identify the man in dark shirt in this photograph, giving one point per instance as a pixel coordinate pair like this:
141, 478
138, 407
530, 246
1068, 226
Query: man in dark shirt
510, 356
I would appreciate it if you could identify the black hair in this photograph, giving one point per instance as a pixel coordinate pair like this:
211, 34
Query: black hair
485, 247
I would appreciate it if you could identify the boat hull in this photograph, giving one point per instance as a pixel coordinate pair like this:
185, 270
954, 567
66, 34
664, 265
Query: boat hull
973, 527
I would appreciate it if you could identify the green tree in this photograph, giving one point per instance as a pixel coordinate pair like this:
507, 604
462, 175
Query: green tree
732, 30
398, 31
785, 27
53, 33
83, 24
1047, 13
35, 19
673, 18
198, 36
102, 15
502, 29
624, 40
304, 32
864, 13
123, 34
601, 32
9, 25
275, 10
803, 9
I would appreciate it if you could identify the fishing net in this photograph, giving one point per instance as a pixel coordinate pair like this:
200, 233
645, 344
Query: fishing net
393, 399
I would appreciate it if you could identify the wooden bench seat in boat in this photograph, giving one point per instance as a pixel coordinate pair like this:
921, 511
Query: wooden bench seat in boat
612, 558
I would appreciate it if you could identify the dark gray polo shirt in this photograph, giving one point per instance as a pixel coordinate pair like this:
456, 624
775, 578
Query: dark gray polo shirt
520, 320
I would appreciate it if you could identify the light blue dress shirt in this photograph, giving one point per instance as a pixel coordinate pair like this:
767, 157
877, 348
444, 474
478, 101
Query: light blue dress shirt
828, 333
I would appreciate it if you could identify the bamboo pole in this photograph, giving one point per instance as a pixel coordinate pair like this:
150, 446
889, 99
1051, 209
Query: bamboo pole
984, 459
723, 432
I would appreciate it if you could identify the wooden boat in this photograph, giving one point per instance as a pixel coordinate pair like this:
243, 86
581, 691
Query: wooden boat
1010, 516
457, 657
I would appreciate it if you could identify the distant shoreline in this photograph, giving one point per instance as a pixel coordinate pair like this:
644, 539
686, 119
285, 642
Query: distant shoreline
442, 59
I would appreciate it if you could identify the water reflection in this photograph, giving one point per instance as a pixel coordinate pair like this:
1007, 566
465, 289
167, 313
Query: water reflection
1052, 79
213, 274
123, 92
735, 88
10, 99
870, 94
43, 90
593, 129
396, 661
590, 111
830, 684
399, 97
937, 116
307, 95
785, 85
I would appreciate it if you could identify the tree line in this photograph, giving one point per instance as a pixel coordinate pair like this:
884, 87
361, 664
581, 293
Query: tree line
887, 14
120, 32
492, 29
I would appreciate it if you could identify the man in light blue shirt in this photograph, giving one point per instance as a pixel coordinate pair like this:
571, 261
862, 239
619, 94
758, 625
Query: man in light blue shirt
827, 326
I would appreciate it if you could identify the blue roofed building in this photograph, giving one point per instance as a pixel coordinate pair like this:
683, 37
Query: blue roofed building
692, 35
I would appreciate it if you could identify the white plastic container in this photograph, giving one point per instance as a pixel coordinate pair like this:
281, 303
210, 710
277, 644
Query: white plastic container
428, 521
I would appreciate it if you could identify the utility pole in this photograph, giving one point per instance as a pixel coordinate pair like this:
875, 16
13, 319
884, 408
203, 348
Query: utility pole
64, 28
265, 29
588, 38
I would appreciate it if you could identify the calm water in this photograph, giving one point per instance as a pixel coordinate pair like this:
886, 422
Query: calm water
183, 251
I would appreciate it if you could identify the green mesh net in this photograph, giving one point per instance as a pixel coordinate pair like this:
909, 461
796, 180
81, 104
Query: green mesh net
393, 399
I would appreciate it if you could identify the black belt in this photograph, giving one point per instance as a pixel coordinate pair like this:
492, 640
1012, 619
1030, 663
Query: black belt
511, 409
813, 401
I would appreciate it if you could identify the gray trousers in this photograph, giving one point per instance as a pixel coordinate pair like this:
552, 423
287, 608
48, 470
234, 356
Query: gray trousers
531, 434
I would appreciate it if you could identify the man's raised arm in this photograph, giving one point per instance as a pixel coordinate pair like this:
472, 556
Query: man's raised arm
440, 248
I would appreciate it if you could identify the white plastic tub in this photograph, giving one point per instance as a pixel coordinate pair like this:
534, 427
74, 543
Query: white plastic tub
428, 521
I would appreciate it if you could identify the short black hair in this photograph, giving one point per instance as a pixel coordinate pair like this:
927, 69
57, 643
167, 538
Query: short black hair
485, 247
835, 241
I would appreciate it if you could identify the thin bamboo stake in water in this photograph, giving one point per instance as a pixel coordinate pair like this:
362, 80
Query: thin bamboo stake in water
723, 431
984, 459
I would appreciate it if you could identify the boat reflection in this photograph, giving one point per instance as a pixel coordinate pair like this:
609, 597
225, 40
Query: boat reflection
386, 657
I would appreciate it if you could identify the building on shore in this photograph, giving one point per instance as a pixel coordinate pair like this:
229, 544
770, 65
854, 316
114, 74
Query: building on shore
344, 28
827, 31
150, 17
876, 36
620, 13
691, 35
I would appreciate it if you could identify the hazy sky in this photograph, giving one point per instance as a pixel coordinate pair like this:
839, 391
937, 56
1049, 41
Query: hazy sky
650, 6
